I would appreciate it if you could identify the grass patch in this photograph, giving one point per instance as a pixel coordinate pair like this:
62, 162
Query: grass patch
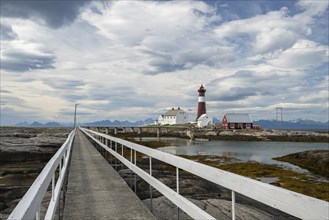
150, 144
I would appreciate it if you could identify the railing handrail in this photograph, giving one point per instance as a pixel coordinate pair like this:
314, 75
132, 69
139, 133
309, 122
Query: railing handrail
29, 205
296, 204
186, 205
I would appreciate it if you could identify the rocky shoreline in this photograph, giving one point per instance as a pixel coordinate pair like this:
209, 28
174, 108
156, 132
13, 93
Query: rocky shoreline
315, 160
23, 154
234, 135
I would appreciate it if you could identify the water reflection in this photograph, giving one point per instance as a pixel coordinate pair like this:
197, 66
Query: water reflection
261, 152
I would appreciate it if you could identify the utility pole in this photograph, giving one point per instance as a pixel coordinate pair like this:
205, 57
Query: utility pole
279, 113
75, 114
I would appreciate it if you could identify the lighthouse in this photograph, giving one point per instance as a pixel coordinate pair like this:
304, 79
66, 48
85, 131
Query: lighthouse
201, 102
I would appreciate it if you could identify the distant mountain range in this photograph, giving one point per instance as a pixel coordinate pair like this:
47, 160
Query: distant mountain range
38, 124
120, 123
91, 124
299, 124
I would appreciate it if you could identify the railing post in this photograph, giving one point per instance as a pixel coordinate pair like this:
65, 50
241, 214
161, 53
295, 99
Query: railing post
233, 205
116, 160
37, 214
53, 188
177, 188
135, 173
110, 154
60, 168
131, 172
122, 156
106, 132
59, 204
151, 205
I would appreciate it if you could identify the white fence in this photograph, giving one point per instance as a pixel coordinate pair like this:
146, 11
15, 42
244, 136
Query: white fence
29, 206
293, 203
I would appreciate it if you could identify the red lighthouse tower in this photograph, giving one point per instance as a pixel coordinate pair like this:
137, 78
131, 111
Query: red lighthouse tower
201, 102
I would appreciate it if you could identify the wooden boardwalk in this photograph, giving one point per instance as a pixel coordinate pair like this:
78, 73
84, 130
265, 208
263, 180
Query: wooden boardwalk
95, 189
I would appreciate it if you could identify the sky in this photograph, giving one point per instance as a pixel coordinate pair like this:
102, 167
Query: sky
131, 60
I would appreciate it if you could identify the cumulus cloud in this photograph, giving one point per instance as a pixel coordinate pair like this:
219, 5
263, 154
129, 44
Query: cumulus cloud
302, 54
269, 40
163, 33
313, 8
273, 31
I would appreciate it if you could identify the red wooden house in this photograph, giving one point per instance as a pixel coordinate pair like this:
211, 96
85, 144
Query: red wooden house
237, 121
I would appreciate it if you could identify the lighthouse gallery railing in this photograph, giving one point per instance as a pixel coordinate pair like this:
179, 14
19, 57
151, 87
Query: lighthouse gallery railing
293, 203
29, 205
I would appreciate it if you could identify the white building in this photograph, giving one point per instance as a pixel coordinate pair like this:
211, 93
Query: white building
173, 116
204, 120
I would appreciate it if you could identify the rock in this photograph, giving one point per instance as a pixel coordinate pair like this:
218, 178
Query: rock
314, 160
2, 206
23, 154
23, 135
220, 209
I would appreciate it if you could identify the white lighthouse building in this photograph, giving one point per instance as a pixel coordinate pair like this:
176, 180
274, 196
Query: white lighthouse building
173, 117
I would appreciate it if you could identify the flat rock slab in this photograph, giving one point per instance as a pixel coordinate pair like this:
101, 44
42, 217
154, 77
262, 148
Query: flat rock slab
95, 189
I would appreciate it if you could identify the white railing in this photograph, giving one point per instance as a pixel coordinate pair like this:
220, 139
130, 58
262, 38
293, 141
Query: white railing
293, 203
29, 206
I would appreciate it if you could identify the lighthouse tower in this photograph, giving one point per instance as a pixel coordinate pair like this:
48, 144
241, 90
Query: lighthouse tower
201, 102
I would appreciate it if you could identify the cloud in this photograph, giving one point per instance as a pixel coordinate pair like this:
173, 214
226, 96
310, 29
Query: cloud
163, 33
55, 13
20, 56
271, 39
128, 59
263, 34
303, 54
8, 98
237, 93
313, 8
4, 91
7, 33
63, 84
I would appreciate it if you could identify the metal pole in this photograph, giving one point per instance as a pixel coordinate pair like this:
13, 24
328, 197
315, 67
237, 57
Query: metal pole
177, 188
150, 185
110, 157
53, 188
75, 114
135, 173
233, 205
116, 160
131, 172
59, 205
122, 156
37, 214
